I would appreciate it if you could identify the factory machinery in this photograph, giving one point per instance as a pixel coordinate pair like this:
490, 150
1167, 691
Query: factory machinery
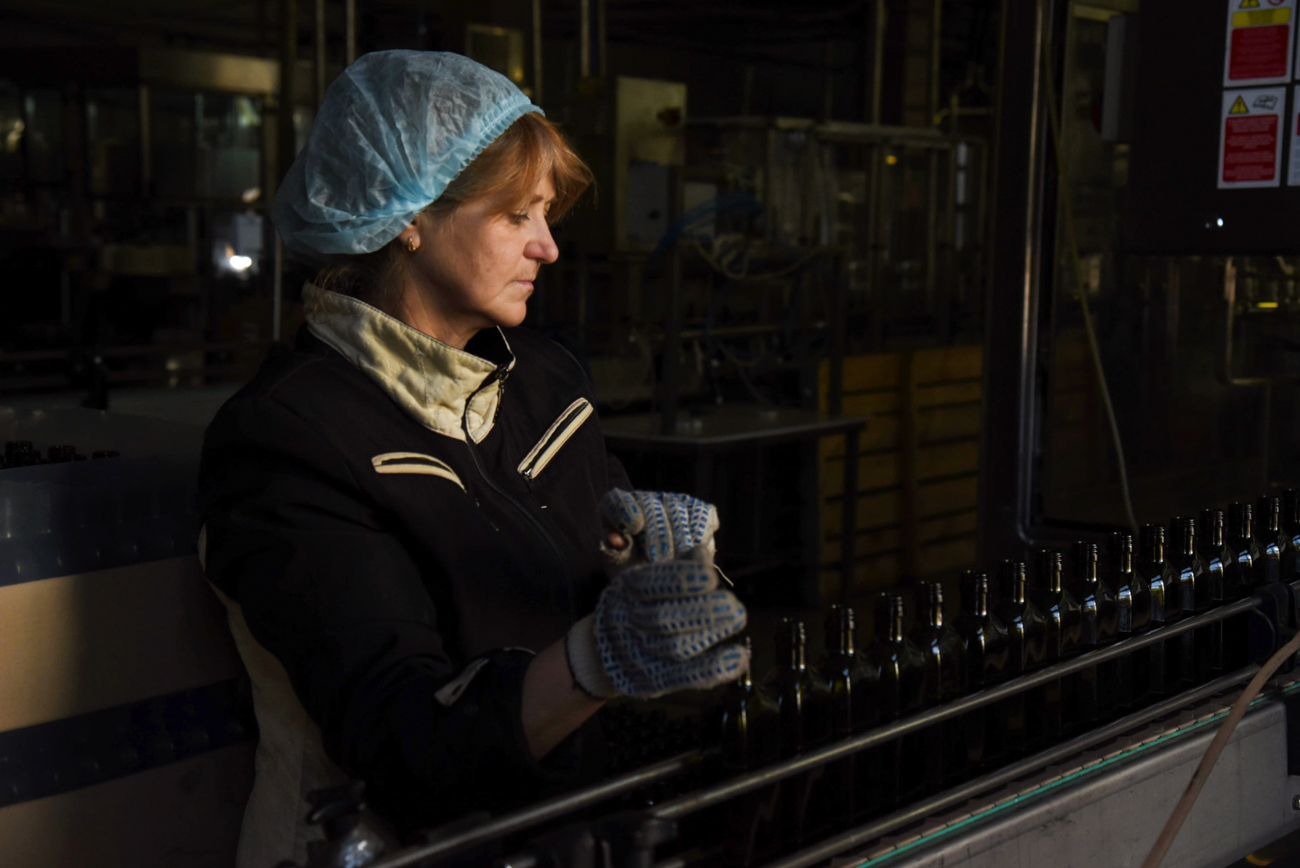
1081, 692
1052, 709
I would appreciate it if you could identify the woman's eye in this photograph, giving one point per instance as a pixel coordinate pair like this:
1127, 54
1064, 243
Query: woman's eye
519, 218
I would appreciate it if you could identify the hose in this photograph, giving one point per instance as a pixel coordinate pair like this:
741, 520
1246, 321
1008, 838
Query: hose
1081, 290
1202, 773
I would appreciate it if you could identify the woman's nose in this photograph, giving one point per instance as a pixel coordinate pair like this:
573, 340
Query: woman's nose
542, 246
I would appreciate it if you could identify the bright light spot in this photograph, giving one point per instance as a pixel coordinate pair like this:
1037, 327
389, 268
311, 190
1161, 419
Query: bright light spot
891, 159
240, 263
1219, 222
1267, 305
251, 195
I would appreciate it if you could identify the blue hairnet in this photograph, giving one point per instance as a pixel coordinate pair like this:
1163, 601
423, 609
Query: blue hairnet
395, 128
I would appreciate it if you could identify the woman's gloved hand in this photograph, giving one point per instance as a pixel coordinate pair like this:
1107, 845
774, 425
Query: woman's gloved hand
655, 630
657, 526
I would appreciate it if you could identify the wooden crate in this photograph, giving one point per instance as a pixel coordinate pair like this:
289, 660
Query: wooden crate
917, 467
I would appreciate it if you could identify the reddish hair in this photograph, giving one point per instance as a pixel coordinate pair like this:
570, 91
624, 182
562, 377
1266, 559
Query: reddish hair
506, 172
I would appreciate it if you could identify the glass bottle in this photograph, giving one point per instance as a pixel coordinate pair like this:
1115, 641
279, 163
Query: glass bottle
746, 725
987, 649
839, 669
1099, 685
803, 702
1064, 638
1194, 649
1268, 540
1291, 535
902, 690
1211, 543
1134, 615
945, 663
1027, 637
1149, 568
1240, 554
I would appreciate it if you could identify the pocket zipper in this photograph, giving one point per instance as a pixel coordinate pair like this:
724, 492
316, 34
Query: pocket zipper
555, 437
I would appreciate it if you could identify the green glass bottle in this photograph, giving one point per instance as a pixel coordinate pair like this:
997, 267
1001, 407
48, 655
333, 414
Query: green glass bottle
1268, 540
1291, 535
1134, 616
1064, 640
746, 725
1027, 636
945, 662
1151, 663
1185, 562
1212, 546
902, 691
1099, 685
987, 649
803, 700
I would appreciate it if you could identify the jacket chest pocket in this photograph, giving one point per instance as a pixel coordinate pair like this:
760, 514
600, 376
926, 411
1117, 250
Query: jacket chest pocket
556, 436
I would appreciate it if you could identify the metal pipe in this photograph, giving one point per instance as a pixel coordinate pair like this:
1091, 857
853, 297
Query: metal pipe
277, 288
319, 61
146, 143
602, 41
537, 51
736, 786
350, 30
542, 812
873, 830
584, 38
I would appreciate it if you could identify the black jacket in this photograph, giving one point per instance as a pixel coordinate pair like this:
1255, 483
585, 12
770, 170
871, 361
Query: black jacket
377, 559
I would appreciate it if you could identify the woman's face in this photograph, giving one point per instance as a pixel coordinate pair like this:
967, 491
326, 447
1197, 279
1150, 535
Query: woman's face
474, 268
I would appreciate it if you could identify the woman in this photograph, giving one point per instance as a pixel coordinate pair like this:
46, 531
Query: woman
434, 573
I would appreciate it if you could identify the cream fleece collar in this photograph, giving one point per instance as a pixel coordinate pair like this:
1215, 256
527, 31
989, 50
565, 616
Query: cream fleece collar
427, 378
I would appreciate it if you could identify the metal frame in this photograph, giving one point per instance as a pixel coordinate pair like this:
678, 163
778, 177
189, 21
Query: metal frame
1014, 379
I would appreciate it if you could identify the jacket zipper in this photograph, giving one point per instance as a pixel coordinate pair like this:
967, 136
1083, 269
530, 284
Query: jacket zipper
500, 374
554, 439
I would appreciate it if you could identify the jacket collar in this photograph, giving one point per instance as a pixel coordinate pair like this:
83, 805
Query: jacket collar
433, 382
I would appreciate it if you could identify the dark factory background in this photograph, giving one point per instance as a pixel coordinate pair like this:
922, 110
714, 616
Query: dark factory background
836, 275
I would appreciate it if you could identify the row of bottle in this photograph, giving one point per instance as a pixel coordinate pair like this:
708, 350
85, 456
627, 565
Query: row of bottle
1023, 623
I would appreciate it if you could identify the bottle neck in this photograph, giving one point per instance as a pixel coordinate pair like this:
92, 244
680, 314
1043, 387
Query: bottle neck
1184, 541
889, 619
1051, 568
1212, 527
1124, 553
1270, 515
1085, 558
793, 645
840, 627
1153, 544
978, 602
934, 605
1241, 522
1013, 577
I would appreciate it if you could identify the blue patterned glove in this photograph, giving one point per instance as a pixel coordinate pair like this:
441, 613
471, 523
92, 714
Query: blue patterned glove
661, 526
655, 630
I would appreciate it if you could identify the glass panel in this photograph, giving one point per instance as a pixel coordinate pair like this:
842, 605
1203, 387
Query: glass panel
207, 146
44, 118
230, 146
113, 141
13, 126
1195, 434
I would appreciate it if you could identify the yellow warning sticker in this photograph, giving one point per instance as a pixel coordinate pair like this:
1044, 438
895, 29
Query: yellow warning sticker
1239, 108
1249, 4
1261, 17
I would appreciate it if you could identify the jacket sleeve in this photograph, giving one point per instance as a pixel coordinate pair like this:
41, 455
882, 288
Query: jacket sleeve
335, 595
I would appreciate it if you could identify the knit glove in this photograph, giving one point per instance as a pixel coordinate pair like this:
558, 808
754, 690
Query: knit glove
655, 630
658, 526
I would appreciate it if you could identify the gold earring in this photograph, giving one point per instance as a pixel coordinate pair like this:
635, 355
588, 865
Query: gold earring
411, 244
